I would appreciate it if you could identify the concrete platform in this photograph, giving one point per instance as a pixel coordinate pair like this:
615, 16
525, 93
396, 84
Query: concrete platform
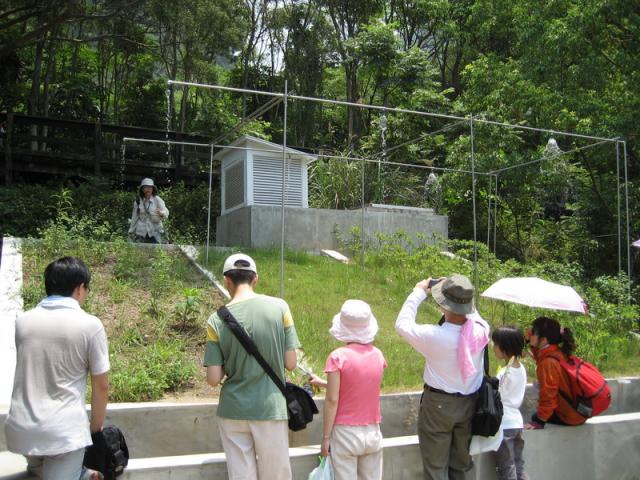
604, 448
314, 229
167, 429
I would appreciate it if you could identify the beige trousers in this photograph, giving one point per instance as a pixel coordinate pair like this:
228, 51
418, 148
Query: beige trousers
256, 449
356, 452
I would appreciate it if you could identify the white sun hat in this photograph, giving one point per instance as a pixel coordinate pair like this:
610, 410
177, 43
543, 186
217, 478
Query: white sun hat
355, 323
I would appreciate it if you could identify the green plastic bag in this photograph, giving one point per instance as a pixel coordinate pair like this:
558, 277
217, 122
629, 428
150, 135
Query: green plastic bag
324, 471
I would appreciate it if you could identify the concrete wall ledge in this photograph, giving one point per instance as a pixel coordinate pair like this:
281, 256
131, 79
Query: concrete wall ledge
160, 429
604, 448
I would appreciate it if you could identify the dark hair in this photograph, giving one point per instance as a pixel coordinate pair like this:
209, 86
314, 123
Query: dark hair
154, 191
550, 329
239, 277
510, 340
63, 276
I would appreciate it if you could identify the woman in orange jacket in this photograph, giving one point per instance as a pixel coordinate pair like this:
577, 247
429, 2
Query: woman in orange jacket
550, 343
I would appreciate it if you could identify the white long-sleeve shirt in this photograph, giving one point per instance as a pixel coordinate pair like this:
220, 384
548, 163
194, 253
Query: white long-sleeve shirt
439, 346
513, 383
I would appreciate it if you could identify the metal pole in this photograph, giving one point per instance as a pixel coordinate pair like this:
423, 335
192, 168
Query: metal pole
338, 157
543, 158
362, 218
389, 109
489, 214
619, 207
495, 216
206, 255
628, 220
284, 188
473, 190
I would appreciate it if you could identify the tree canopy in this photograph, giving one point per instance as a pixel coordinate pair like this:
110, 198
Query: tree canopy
569, 65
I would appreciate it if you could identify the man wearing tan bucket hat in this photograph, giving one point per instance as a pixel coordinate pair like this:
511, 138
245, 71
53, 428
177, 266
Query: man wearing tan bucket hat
452, 375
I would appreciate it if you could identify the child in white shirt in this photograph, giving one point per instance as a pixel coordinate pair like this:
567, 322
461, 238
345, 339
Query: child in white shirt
508, 345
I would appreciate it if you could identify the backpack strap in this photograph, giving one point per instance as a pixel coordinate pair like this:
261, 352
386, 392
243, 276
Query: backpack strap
486, 360
245, 340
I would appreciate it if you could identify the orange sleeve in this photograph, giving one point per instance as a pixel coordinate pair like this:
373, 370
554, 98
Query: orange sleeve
548, 372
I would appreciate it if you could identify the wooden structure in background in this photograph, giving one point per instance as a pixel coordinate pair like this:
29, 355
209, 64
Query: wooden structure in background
36, 148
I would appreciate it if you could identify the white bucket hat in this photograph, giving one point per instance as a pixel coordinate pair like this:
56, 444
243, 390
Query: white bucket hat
148, 182
355, 323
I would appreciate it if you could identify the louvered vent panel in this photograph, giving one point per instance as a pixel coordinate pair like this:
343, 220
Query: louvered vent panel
234, 185
267, 181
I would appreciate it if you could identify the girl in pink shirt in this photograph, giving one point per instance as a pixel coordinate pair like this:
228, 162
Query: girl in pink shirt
351, 428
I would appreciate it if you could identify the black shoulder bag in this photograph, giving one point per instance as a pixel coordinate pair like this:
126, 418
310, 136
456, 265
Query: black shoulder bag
300, 405
488, 415
109, 453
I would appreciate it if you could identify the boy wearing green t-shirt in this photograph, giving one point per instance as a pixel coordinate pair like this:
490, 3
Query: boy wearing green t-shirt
252, 410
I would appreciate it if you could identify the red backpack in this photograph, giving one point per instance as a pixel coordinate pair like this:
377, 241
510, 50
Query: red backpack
590, 393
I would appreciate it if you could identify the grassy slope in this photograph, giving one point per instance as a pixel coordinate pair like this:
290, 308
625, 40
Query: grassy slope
136, 293
315, 288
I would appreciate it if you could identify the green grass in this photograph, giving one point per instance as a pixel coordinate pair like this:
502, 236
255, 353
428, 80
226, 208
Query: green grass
315, 288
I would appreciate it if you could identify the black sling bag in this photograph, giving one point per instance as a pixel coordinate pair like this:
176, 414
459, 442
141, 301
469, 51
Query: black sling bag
488, 415
300, 405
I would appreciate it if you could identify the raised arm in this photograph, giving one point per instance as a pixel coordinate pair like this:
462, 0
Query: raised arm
163, 211
406, 324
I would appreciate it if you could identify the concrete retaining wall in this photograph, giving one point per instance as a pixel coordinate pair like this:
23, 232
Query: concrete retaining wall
314, 229
165, 429
605, 448
162, 429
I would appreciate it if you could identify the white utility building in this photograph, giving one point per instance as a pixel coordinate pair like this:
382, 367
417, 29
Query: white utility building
251, 174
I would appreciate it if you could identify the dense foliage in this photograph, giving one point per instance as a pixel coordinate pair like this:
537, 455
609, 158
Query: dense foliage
95, 212
570, 65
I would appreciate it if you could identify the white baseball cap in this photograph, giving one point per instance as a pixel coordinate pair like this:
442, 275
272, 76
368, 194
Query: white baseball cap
239, 261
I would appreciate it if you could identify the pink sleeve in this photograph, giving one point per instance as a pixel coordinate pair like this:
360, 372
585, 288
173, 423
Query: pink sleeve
384, 360
334, 362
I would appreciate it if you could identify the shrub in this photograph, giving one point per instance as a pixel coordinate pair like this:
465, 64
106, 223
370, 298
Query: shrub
94, 210
144, 372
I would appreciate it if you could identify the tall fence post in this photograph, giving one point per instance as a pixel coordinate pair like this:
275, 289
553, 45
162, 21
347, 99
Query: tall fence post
97, 159
8, 161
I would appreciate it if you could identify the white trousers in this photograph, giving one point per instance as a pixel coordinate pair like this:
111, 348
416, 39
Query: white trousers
356, 452
256, 449
66, 466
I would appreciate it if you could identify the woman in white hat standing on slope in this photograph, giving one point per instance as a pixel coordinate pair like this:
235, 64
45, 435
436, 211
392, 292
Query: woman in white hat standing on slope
351, 428
148, 212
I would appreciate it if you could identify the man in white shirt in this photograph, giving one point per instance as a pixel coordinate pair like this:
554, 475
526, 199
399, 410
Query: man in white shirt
57, 345
452, 374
